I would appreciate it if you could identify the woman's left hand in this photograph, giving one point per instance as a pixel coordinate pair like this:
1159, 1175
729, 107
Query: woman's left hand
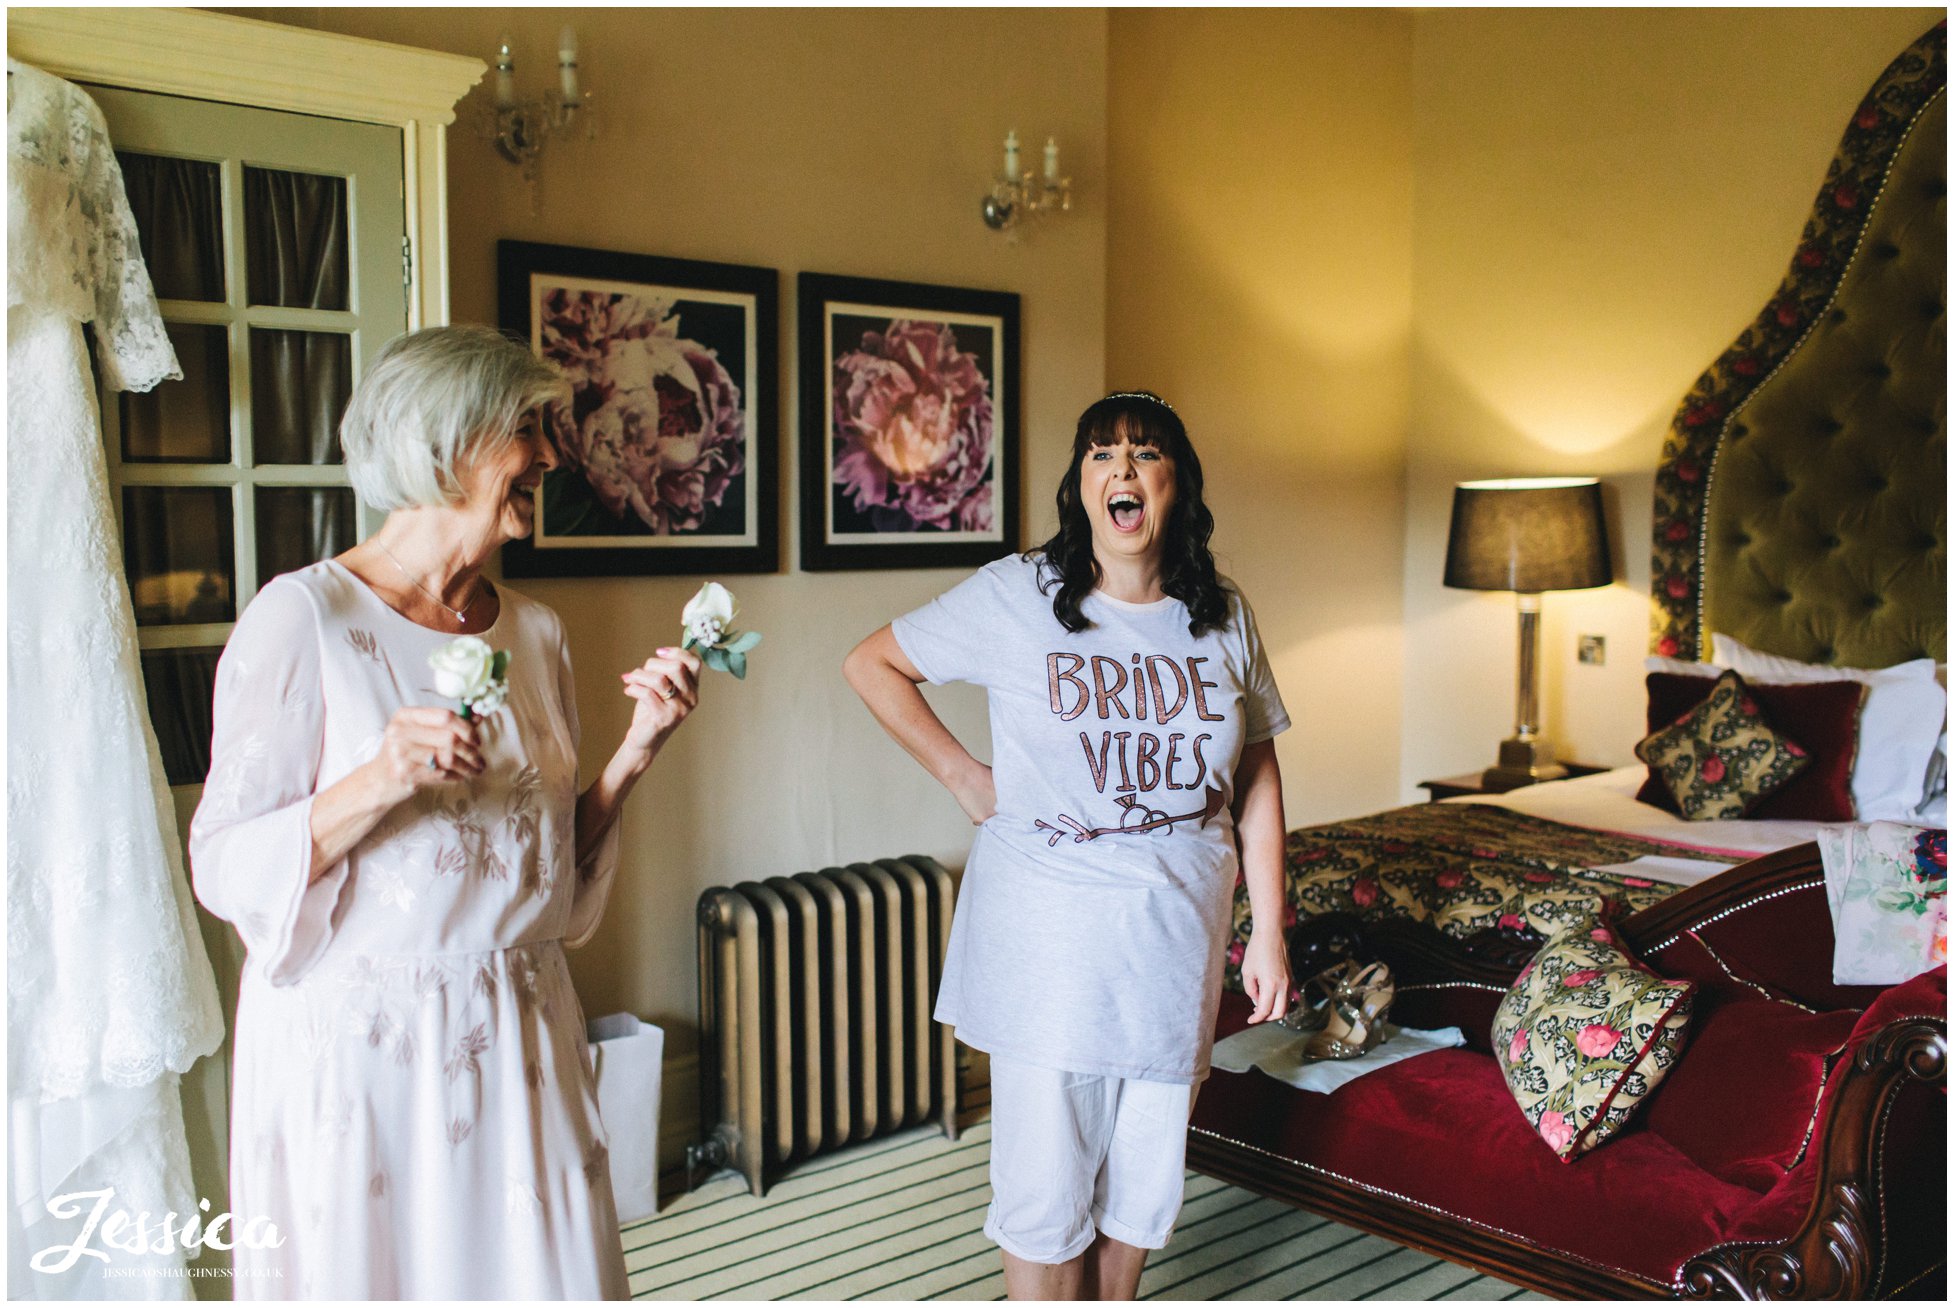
666, 687
1265, 975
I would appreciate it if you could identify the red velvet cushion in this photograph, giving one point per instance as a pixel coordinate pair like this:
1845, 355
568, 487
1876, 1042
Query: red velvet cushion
1916, 1135
1442, 1130
1823, 717
1740, 1038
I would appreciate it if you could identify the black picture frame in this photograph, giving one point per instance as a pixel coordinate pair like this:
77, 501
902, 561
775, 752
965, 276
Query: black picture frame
637, 334
966, 513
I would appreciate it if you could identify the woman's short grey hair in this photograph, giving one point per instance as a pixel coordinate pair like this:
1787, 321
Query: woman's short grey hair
431, 402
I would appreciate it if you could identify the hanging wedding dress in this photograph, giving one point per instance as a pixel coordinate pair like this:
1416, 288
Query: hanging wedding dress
110, 995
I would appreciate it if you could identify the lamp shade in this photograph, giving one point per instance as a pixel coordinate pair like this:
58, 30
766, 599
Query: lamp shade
1528, 534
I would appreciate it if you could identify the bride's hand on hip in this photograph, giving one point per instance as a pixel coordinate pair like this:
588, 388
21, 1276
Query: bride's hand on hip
425, 747
976, 794
666, 687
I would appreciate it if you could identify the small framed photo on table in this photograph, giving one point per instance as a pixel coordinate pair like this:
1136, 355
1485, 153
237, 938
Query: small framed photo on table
670, 444
909, 424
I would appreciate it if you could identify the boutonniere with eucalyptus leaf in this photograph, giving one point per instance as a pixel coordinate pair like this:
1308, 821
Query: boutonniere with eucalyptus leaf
468, 671
708, 619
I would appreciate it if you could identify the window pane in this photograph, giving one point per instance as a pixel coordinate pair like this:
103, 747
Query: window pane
177, 544
179, 210
295, 239
300, 383
186, 421
299, 525
180, 684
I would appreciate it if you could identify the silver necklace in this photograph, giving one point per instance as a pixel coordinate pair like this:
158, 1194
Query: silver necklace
461, 614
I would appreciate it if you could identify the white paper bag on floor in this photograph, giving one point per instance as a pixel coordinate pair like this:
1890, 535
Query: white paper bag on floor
630, 1058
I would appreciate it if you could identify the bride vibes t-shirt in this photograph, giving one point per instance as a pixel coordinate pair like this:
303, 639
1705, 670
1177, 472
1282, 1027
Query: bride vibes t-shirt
1095, 907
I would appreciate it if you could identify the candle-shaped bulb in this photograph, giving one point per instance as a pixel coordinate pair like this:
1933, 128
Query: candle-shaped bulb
1051, 159
505, 75
1011, 155
566, 63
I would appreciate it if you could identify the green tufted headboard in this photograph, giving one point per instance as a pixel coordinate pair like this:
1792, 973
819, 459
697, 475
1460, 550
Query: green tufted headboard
1801, 504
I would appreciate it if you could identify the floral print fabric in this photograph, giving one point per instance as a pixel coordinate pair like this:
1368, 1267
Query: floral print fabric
1722, 757
1463, 868
1886, 883
1585, 1035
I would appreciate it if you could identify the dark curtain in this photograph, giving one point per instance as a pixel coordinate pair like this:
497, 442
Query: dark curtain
300, 383
179, 210
298, 526
295, 239
181, 686
297, 258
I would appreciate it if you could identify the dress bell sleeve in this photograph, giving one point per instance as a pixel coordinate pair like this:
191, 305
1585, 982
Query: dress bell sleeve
251, 839
597, 869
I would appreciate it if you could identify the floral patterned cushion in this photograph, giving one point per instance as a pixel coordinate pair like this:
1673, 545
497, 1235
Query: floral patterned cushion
1585, 1035
1722, 757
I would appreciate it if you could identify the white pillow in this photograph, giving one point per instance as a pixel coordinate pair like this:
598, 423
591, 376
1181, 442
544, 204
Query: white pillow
1900, 724
1682, 668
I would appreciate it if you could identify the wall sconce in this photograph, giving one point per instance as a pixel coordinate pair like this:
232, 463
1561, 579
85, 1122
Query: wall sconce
1017, 196
519, 128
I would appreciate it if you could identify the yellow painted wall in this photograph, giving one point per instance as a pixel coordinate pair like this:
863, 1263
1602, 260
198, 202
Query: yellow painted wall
844, 141
1605, 198
1258, 260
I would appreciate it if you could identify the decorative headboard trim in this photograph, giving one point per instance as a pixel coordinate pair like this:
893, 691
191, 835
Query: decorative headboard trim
1853, 183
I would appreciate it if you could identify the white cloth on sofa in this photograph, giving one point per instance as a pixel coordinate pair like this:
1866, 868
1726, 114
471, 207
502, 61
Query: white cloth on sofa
1886, 883
1278, 1051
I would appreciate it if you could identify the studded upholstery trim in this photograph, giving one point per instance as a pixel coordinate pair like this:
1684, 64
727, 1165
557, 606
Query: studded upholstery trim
1832, 239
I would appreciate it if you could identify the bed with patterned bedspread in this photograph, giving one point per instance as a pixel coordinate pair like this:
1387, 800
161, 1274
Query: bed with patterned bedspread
1466, 870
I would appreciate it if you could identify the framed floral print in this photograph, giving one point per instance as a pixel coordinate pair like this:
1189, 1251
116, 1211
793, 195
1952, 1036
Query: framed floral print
909, 424
669, 444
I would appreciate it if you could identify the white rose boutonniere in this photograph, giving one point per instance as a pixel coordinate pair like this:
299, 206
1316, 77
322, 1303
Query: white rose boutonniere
467, 670
708, 620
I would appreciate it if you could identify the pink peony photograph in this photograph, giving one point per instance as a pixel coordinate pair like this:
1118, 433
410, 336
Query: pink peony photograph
665, 445
655, 437
908, 424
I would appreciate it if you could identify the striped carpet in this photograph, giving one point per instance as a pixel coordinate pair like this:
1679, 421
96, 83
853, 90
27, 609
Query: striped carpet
902, 1218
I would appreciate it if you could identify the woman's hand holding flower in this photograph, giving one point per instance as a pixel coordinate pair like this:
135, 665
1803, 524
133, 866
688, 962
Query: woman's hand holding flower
666, 687
425, 747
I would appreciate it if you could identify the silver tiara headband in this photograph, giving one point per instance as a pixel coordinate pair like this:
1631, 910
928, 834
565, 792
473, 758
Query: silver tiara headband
1144, 395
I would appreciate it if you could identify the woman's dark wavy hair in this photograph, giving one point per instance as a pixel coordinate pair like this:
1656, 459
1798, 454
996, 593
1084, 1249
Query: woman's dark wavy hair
1187, 568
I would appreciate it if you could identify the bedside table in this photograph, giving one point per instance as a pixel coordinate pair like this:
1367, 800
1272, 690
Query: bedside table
1473, 783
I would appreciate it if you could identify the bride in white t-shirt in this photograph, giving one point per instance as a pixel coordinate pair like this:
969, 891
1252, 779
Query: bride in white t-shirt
1134, 779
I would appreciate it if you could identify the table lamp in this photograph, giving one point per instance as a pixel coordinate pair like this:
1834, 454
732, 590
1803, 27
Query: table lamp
1527, 535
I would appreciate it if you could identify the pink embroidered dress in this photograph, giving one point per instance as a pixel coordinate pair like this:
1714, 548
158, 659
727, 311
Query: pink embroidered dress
413, 1100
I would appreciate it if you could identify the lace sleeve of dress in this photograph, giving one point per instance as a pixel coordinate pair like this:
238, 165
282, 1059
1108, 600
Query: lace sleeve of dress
135, 351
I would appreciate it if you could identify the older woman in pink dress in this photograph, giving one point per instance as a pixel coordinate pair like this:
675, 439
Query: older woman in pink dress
413, 1105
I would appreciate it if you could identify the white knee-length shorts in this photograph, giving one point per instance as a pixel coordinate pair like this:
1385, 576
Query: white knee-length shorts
1071, 1153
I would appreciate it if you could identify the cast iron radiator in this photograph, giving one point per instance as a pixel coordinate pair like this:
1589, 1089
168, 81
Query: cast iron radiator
815, 993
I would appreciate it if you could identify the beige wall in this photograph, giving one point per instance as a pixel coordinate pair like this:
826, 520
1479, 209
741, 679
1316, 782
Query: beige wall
1258, 263
838, 141
1602, 200
1605, 199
